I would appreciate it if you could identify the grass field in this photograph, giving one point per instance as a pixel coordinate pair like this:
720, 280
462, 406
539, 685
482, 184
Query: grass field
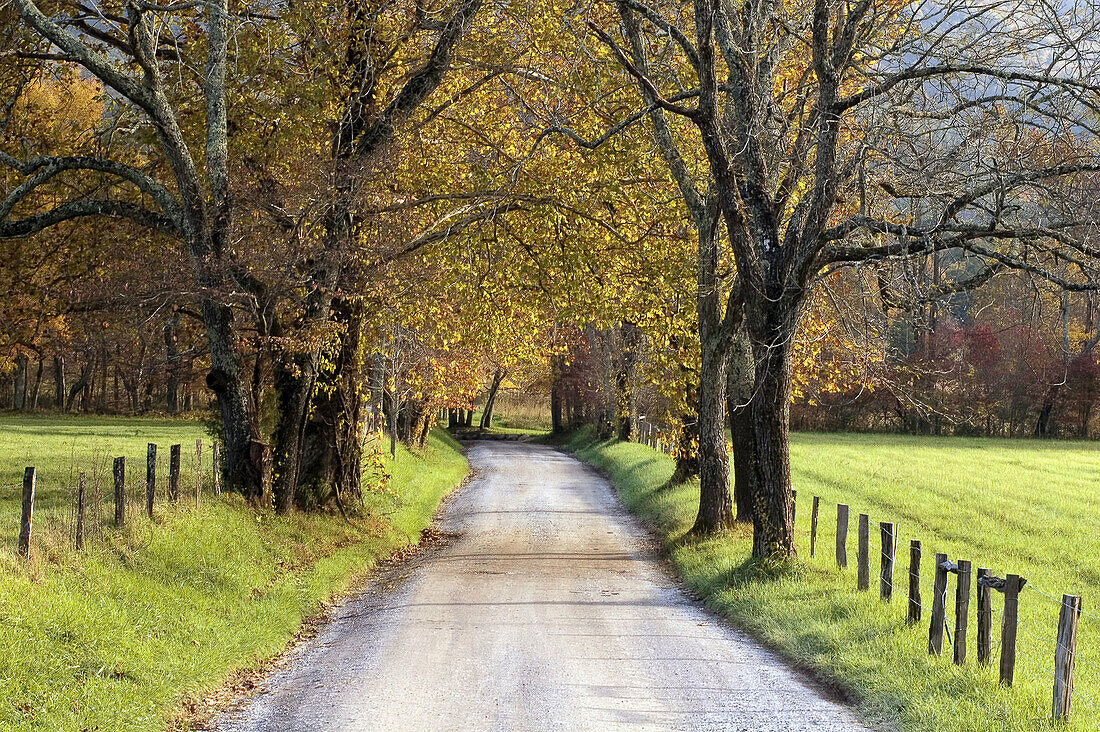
126, 634
1026, 507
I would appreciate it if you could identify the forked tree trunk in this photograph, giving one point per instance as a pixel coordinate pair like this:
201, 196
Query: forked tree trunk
740, 375
490, 401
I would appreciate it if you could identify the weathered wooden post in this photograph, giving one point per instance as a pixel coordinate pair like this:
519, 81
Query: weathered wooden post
81, 492
939, 589
198, 471
27, 512
174, 473
962, 611
216, 464
1013, 583
985, 617
889, 553
863, 559
119, 472
150, 477
914, 612
841, 535
813, 525
1064, 656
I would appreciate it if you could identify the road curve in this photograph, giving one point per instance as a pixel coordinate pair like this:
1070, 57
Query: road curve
547, 610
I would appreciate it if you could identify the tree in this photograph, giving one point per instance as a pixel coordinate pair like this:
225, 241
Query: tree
806, 114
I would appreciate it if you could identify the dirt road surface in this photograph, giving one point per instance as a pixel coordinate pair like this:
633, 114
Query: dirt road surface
548, 609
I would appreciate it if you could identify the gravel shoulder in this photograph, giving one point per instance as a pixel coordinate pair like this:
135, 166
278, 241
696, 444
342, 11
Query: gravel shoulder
547, 608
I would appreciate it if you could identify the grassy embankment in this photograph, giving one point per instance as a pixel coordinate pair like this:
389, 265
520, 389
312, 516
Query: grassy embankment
1027, 507
123, 635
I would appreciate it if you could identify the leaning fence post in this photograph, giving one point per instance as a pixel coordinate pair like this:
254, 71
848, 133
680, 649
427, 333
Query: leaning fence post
914, 582
150, 477
889, 552
81, 492
985, 618
198, 472
841, 535
939, 589
28, 510
863, 568
174, 473
813, 525
216, 465
119, 471
962, 611
1013, 583
1064, 656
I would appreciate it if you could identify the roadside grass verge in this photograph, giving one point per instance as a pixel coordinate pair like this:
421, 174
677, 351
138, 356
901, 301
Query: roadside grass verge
123, 635
1015, 506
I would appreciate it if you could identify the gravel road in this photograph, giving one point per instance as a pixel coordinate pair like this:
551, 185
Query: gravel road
547, 609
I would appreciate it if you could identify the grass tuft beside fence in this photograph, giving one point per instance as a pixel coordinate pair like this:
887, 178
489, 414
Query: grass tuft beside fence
1016, 507
147, 617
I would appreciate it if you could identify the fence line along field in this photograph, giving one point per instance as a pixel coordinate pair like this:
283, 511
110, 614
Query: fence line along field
1025, 508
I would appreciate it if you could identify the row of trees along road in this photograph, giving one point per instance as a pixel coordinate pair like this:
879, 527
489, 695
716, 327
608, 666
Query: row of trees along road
407, 200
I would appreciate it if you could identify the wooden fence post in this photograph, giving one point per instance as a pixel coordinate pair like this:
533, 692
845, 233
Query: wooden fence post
939, 589
28, 510
150, 477
985, 618
119, 471
813, 525
889, 553
198, 472
216, 463
914, 582
841, 535
81, 492
962, 611
1013, 583
1064, 654
863, 568
174, 473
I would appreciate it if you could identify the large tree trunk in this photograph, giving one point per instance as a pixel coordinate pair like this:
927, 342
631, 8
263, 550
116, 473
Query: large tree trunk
740, 375
242, 453
294, 377
772, 331
715, 502
332, 457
